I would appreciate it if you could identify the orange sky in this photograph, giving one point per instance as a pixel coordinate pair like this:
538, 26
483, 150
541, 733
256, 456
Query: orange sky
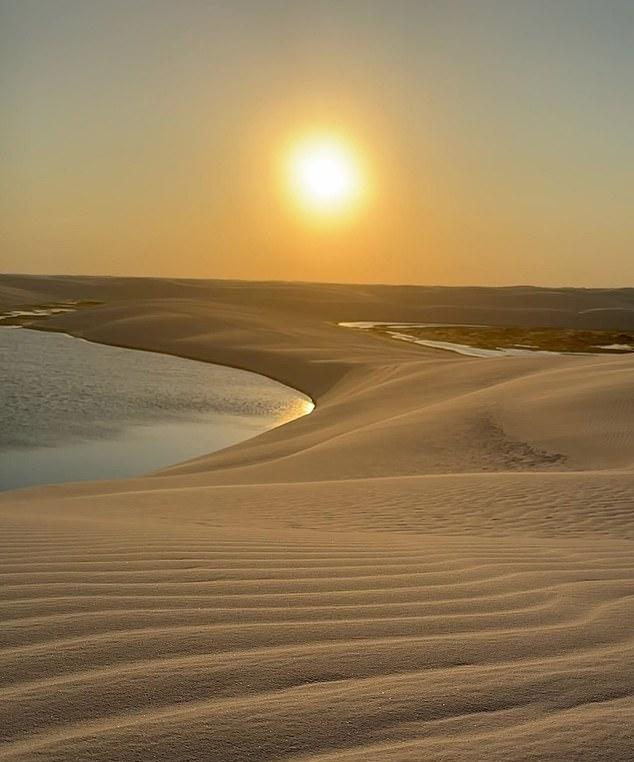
145, 139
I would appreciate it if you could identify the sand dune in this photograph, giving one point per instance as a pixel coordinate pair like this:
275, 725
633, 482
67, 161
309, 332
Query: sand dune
436, 564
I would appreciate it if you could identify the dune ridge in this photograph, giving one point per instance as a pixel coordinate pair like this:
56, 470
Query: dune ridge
435, 564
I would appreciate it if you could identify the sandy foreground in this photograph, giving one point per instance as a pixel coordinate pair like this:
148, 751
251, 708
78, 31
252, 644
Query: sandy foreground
436, 564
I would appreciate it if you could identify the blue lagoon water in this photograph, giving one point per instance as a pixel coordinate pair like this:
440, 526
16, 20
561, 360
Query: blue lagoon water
72, 410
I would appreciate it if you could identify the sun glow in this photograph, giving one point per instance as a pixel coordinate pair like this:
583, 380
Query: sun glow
324, 176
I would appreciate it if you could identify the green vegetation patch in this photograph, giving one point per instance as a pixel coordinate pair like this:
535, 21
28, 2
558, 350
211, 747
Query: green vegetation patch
514, 337
27, 314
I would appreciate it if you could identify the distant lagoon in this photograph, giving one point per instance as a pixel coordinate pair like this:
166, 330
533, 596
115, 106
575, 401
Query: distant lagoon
74, 410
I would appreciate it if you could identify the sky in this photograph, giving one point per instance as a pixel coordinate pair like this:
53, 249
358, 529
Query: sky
146, 137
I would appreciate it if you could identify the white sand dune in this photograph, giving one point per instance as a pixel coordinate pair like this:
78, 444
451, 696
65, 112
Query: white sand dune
436, 564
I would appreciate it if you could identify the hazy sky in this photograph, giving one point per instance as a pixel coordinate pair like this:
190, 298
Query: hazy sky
143, 137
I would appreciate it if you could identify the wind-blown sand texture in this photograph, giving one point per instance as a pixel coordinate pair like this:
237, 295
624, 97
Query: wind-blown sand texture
436, 564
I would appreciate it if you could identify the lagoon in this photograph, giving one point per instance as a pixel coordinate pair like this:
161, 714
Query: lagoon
72, 410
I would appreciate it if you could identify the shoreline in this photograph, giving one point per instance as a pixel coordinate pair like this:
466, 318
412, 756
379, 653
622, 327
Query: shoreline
148, 348
49, 329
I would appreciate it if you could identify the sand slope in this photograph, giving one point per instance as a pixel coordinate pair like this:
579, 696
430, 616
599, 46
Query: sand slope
436, 564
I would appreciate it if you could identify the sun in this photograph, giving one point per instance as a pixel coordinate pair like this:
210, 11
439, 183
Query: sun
324, 175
